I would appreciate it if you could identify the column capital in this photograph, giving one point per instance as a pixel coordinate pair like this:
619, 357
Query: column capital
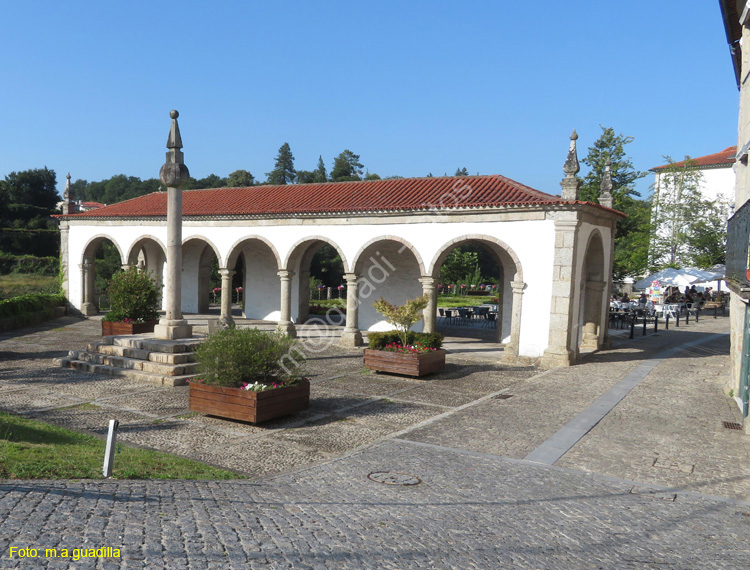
427, 281
227, 273
517, 286
351, 278
285, 274
596, 286
566, 225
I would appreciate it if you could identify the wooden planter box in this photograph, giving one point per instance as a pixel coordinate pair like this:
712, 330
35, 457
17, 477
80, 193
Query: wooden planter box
249, 406
120, 327
402, 363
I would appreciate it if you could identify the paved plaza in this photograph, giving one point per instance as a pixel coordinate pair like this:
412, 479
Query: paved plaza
622, 461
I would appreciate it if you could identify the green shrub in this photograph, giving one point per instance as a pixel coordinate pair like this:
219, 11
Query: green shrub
232, 357
379, 340
26, 304
10, 263
133, 295
404, 316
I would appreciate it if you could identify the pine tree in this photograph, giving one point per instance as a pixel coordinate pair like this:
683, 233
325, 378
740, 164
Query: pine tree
320, 174
346, 166
283, 172
461, 172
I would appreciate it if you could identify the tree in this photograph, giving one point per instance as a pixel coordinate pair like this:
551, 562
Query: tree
305, 177
374, 176
461, 172
458, 265
240, 179
633, 232
320, 174
346, 166
37, 187
283, 172
687, 228
403, 317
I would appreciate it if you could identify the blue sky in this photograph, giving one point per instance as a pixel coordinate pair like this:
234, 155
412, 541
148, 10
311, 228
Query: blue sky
412, 87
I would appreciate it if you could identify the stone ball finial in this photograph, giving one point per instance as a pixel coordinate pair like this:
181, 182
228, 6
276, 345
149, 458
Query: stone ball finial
173, 114
574, 135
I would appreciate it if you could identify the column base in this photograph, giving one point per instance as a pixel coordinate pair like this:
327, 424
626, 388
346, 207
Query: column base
351, 339
173, 329
89, 309
590, 341
288, 329
557, 357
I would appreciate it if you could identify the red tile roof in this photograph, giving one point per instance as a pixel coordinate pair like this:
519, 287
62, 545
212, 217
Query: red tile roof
724, 158
400, 194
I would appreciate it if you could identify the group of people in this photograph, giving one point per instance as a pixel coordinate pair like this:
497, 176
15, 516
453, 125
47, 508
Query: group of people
672, 296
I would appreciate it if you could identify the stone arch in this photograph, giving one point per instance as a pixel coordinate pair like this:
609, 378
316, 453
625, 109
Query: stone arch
593, 294
197, 254
150, 254
261, 296
510, 284
87, 266
357, 262
388, 267
440, 256
298, 260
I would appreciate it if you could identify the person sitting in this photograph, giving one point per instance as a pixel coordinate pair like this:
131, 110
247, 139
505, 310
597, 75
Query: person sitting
625, 298
643, 300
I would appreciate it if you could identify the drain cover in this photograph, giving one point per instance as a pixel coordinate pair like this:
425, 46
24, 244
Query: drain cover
393, 478
732, 425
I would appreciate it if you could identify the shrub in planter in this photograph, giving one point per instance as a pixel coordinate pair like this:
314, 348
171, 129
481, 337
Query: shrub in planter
249, 375
403, 351
133, 296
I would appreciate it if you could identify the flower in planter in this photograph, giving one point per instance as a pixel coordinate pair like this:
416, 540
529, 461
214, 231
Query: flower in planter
402, 317
416, 348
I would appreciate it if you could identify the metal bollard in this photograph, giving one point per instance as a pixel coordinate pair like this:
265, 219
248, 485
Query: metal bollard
666, 321
678, 320
716, 310
697, 312
687, 317
109, 452
644, 325
632, 327
656, 323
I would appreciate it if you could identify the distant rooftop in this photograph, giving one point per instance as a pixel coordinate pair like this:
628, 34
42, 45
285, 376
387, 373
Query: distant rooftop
724, 158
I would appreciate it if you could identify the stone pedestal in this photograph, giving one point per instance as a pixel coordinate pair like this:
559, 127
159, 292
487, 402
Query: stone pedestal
429, 289
285, 321
226, 297
88, 270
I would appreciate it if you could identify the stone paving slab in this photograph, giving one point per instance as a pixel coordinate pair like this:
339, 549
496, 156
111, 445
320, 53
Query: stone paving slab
470, 511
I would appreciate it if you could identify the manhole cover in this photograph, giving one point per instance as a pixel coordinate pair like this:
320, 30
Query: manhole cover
393, 478
732, 425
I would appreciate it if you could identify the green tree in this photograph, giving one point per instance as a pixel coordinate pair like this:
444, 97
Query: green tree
283, 171
461, 172
37, 187
240, 179
687, 228
374, 176
458, 265
632, 233
346, 166
320, 174
305, 177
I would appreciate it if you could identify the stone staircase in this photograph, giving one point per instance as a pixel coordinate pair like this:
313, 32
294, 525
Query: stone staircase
140, 357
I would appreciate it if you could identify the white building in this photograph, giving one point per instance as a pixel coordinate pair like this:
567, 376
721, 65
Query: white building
554, 254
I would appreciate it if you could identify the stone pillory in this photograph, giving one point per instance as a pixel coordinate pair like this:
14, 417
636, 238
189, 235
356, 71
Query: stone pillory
553, 253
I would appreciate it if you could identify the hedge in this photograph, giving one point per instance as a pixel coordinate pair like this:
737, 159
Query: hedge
10, 263
379, 340
40, 243
30, 304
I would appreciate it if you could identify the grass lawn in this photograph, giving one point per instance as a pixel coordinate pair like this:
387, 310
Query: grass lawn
23, 284
35, 450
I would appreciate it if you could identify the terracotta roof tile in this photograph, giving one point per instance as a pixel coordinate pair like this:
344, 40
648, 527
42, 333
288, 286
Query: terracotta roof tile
401, 194
724, 158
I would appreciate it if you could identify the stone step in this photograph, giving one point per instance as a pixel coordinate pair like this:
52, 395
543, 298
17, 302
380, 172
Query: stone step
151, 344
150, 377
135, 363
142, 354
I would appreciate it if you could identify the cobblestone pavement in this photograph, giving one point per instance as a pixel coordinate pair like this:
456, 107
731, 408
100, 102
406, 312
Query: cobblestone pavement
654, 484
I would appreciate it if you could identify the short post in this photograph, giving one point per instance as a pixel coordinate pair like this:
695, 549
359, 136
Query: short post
109, 452
697, 312
632, 326
666, 321
656, 322
687, 317
716, 310
678, 319
645, 319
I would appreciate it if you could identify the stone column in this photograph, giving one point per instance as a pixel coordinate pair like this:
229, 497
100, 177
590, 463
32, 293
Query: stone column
606, 340
559, 350
511, 349
226, 297
285, 321
88, 283
591, 314
351, 336
430, 289
174, 174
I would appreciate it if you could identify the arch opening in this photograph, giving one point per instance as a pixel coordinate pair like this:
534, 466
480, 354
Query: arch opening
592, 296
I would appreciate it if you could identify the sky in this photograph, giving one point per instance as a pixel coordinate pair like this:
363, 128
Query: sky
413, 87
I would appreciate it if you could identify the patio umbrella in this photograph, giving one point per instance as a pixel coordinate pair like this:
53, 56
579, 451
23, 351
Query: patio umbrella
676, 277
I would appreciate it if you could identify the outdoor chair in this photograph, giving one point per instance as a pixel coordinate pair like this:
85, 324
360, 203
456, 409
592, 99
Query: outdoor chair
490, 320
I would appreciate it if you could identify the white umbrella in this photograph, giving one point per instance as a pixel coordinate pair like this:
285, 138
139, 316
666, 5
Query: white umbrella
671, 277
